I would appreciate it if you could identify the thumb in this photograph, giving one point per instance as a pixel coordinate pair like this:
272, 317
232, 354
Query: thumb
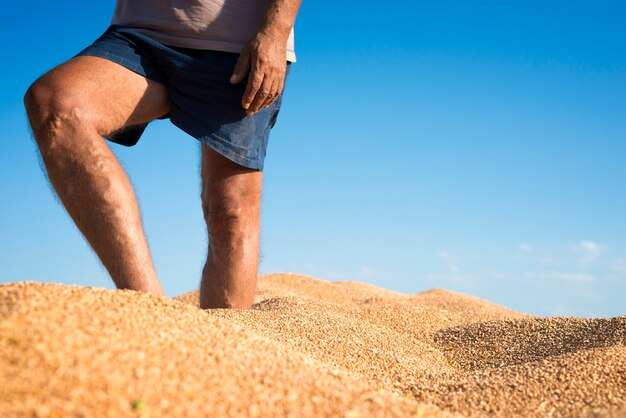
241, 68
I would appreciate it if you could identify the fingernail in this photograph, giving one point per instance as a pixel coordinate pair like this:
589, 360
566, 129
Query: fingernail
233, 77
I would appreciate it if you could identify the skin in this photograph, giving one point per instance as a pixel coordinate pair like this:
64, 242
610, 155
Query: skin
70, 109
264, 57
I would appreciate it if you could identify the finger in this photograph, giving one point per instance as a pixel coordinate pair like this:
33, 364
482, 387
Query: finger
277, 88
281, 86
278, 92
282, 79
271, 96
241, 68
261, 95
255, 81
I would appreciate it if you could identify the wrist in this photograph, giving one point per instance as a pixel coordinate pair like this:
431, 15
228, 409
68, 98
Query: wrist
276, 31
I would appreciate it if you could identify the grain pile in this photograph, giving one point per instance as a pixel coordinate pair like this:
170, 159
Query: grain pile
309, 348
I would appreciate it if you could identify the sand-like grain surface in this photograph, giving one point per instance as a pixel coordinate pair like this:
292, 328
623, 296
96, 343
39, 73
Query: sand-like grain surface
309, 348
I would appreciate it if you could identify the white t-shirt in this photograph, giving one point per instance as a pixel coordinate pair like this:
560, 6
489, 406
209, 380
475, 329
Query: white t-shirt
222, 25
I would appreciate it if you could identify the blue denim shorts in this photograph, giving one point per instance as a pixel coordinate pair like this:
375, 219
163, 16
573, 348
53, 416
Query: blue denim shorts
204, 102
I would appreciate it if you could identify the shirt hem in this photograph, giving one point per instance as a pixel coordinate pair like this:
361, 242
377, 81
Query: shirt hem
195, 43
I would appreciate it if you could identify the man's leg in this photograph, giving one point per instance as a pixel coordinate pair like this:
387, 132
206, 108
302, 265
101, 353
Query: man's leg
69, 109
231, 202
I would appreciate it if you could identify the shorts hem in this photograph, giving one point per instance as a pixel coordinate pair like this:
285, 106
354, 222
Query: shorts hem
215, 141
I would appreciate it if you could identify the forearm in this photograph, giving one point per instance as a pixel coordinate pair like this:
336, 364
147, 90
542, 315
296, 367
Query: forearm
280, 17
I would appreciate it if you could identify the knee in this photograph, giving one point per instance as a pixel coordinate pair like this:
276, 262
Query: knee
230, 217
225, 221
53, 112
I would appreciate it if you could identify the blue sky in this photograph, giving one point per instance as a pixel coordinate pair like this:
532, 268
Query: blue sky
474, 147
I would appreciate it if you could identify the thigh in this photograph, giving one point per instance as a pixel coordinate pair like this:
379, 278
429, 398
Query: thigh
104, 93
227, 187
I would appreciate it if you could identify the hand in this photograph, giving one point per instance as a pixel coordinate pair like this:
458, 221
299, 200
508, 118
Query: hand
266, 58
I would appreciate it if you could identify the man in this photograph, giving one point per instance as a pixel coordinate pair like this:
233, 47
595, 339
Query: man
216, 69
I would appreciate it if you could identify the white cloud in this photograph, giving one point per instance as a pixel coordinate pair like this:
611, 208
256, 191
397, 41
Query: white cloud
560, 276
619, 266
525, 247
589, 246
588, 252
450, 261
547, 261
367, 271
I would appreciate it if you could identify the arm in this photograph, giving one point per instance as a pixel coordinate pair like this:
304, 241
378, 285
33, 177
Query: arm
266, 56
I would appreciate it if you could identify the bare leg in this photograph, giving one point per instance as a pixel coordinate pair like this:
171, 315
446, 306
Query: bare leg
231, 202
69, 109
